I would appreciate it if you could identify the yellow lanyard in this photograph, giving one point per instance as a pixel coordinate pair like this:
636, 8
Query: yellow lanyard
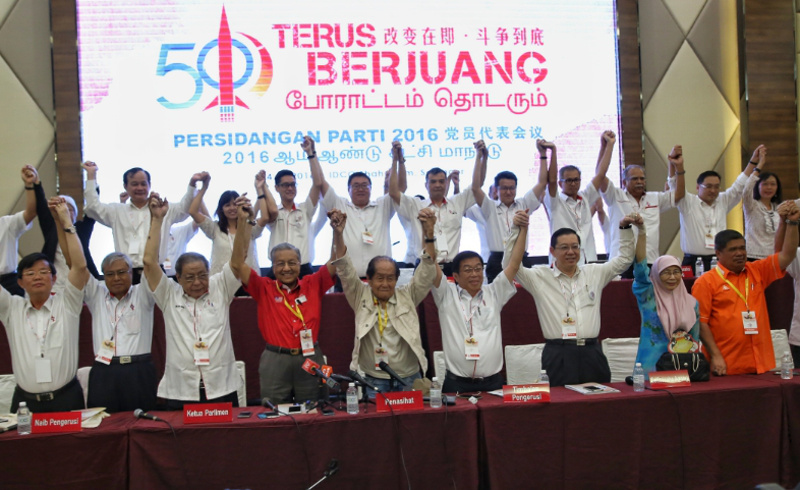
735, 289
295, 310
382, 322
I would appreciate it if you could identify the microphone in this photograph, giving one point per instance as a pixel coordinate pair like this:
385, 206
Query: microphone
385, 367
141, 414
265, 402
342, 379
357, 377
312, 368
629, 380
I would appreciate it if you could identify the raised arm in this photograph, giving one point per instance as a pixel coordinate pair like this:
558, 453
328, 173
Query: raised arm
552, 170
479, 172
338, 220
241, 242
152, 269
518, 252
789, 250
641, 245
600, 180
395, 189
676, 165
453, 177
267, 207
317, 176
427, 218
757, 161
197, 203
71, 244
541, 185
29, 177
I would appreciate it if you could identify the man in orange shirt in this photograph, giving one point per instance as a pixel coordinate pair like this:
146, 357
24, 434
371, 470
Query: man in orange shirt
734, 322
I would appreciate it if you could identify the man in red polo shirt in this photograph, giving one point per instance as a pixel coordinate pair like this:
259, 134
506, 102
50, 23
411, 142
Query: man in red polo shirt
289, 311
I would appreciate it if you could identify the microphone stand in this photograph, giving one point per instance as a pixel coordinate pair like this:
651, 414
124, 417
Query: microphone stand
333, 467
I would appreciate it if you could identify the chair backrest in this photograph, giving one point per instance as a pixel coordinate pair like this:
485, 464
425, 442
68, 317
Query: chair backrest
621, 355
523, 363
7, 385
780, 344
439, 366
83, 379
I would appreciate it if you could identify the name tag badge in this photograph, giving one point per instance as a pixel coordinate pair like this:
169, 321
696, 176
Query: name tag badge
471, 349
106, 352
307, 342
43, 372
381, 354
710, 239
367, 238
569, 328
749, 321
201, 355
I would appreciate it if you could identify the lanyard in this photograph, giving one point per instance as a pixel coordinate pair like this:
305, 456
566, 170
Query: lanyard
44, 333
472, 309
196, 316
295, 310
113, 318
577, 211
571, 298
735, 289
382, 321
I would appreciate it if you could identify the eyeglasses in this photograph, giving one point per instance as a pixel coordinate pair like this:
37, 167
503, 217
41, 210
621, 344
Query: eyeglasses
669, 273
473, 270
40, 273
566, 248
191, 279
382, 279
288, 185
281, 265
113, 274
507, 188
360, 186
711, 187
571, 181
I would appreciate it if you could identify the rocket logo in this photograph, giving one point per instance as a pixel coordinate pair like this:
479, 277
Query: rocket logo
226, 44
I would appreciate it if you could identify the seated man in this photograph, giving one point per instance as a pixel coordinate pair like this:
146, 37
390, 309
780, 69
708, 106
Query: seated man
734, 322
289, 311
43, 328
469, 314
200, 365
387, 324
567, 299
123, 376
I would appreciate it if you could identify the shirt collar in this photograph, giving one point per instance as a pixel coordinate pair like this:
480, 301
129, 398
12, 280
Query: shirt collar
557, 272
48, 305
464, 294
293, 208
567, 198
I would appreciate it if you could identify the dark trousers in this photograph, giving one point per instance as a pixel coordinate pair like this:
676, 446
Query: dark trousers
689, 259
9, 282
458, 384
283, 379
569, 364
628, 274
494, 266
447, 267
123, 387
69, 397
178, 404
795, 354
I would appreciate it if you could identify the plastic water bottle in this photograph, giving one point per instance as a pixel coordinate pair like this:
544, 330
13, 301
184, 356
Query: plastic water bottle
713, 262
352, 399
436, 393
23, 419
638, 377
698, 267
543, 377
786, 366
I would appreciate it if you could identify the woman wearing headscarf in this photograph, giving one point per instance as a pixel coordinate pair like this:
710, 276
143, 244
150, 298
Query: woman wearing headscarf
670, 318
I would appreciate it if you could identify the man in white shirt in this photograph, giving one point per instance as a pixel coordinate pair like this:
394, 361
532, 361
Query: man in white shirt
469, 315
123, 376
129, 221
567, 297
448, 213
292, 222
571, 207
705, 214
200, 365
43, 327
499, 214
632, 198
11, 228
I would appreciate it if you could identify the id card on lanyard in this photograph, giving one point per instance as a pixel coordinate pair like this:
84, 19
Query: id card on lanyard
44, 372
305, 334
748, 317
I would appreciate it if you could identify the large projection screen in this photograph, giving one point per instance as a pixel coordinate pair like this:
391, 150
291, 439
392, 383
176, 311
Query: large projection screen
354, 75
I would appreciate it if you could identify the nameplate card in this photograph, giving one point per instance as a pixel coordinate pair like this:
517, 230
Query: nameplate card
687, 271
399, 401
43, 423
669, 379
529, 393
208, 413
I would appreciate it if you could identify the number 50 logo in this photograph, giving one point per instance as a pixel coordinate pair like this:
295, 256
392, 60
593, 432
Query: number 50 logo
226, 99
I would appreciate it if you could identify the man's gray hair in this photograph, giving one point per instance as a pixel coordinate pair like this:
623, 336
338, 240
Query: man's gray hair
627, 170
284, 246
113, 257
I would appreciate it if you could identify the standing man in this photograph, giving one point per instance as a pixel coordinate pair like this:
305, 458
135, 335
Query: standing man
123, 376
200, 365
289, 315
387, 325
633, 198
570, 208
734, 321
11, 228
469, 314
448, 213
568, 298
499, 214
705, 214
292, 222
43, 327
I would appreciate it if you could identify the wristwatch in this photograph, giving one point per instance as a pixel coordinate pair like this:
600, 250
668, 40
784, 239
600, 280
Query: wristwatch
71, 230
